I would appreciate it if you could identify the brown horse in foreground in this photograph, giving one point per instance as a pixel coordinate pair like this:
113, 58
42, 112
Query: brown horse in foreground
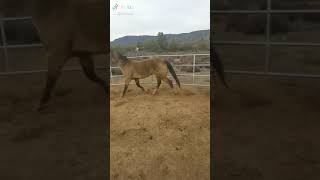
132, 69
67, 28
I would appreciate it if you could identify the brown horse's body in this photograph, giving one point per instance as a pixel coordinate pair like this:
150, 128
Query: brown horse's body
135, 70
67, 28
142, 69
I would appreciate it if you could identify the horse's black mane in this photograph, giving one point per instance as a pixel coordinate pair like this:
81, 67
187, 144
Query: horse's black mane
123, 57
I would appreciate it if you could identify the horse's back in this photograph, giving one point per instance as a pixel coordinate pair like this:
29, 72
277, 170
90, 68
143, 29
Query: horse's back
144, 68
152, 62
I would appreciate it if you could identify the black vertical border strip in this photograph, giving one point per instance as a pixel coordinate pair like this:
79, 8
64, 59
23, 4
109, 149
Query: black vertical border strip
107, 98
212, 100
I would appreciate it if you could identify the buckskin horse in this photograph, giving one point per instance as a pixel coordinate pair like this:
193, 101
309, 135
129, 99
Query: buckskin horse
67, 28
139, 69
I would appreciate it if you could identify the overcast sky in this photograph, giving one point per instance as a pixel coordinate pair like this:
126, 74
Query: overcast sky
148, 17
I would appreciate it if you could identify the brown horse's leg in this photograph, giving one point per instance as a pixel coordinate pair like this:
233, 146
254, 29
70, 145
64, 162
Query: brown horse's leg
158, 85
127, 81
55, 65
167, 80
138, 84
88, 68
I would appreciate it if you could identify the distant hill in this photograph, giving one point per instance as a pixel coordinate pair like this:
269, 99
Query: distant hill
182, 38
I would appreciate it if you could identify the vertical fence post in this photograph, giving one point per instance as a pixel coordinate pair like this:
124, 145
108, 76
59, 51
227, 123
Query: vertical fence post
268, 30
152, 79
111, 75
4, 45
193, 68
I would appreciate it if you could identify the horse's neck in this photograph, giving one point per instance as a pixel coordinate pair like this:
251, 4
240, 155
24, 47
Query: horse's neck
123, 64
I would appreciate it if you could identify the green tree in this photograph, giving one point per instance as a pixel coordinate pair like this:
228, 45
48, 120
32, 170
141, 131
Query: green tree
186, 47
152, 46
174, 45
140, 45
203, 45
162, 41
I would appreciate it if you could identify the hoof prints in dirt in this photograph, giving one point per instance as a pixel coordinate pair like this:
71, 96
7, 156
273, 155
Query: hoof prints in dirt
152, 136
132, 134
119, 102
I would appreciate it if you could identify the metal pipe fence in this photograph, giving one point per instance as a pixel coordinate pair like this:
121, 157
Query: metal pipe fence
268, 43
4, 47
192, 75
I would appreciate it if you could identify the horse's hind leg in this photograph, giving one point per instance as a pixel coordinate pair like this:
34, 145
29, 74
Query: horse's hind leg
158, 85
167, 80
127, 81
138, 84
88, 68
55, 64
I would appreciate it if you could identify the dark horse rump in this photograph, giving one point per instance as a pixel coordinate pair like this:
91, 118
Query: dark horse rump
67, 28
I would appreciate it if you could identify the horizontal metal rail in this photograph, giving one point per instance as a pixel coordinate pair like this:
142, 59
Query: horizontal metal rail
173, 55
22, 46
262, 43
188, 74
184, 65
293, 75
15, 18
265, 11
203, 85
44, 71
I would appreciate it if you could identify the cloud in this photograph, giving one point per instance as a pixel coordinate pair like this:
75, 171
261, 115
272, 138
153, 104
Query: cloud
148, 17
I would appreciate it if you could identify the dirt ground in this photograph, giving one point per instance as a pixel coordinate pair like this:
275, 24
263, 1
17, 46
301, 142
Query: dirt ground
166, 136
66, 141
267, 128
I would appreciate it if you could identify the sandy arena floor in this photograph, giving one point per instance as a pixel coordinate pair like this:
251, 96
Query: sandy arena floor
165, 136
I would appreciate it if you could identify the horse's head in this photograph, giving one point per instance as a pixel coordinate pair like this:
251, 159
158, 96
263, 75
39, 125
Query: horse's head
118, 58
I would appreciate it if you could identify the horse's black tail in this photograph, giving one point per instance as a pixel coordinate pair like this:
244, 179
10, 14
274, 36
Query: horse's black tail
173, 73
218, 66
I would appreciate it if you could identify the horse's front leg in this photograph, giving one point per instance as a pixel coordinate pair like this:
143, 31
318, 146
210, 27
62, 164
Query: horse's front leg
88, 68
158, 85
56, 61
126, 85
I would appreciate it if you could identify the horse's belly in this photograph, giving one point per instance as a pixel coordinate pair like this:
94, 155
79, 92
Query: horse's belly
141, 76
142, 70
